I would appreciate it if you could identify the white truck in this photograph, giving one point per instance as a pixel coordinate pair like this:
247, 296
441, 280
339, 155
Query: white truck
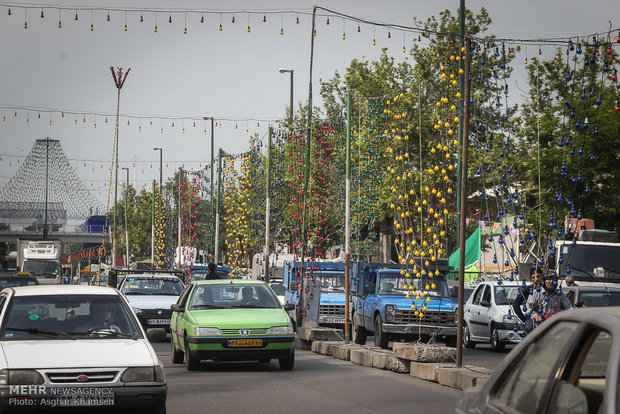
595, 256
40, 257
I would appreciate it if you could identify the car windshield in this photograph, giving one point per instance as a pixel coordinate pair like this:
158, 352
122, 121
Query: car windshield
68, 317
223, 296
17, 281
278, 288
394, 284
152, 286
329, 282
594, 299
40, 267
584, 259
505, 295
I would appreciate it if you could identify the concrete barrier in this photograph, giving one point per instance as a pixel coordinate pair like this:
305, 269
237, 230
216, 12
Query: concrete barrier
320, 334
461, 378
424, 353
428, 371
341, 351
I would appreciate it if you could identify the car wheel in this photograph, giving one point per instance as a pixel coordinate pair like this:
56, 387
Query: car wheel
467, 342
359, 332
496, 344
177, 356
191, 363
286, 364
381, 339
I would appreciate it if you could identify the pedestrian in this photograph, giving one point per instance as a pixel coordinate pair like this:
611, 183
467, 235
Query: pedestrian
524, 293
212, 273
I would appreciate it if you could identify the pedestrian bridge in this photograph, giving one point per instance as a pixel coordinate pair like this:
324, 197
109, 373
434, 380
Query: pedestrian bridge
66, 237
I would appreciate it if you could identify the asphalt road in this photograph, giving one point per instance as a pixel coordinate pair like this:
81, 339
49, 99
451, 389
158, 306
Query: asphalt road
317, 384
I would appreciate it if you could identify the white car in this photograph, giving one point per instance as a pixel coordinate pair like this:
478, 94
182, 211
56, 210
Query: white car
489, 316
151, 295
76, 346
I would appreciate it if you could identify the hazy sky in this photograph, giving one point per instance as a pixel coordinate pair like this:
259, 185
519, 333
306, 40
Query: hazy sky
231, 74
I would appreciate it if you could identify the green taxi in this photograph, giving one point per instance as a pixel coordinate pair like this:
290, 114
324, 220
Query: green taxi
231, 320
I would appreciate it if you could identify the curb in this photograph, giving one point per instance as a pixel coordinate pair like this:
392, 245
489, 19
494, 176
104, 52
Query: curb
425, 362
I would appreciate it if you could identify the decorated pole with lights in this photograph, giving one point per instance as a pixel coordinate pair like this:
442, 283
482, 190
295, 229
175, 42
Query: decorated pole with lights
302, 283
47, 169
179, 222
267, 205
459, 167
153, 227
217, 206
212, 170
347, 229
463, 210
126, 213
119, 81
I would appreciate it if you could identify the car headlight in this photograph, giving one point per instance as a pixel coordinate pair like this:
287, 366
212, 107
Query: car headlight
389, 313
198, 331
20, 377
143, 374
281, 330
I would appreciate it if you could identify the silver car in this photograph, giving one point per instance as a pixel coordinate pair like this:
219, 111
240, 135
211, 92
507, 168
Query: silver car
569, 364
489, 317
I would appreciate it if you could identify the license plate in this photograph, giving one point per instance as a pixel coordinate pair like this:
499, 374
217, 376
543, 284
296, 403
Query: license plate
333, 320
238, 343
158, 321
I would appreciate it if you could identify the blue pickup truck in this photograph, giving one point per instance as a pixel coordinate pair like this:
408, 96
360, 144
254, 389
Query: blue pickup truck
382, 304
329, 278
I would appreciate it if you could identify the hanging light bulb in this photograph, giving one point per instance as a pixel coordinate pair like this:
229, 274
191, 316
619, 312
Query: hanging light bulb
264, 18
125, 28
25, 25
374, 42
10, 11
202, 19
59, 24
92, 28
618, 33
170, 19
344, 36
76, 16
389, 35
108, 18
359, 29
185, 31
155, 30
233, 18
42, 15
282, 31
249, 30
141, 18
220, 27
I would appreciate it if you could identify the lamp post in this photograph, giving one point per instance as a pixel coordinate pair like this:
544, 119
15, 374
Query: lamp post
160, 165
126, 213
284, 70
212, 169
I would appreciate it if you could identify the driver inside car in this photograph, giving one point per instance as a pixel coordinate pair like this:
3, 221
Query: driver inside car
101, 318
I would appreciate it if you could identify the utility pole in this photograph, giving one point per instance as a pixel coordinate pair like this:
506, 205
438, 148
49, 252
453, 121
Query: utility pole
268, 206
461, 110
119, 81
126, 227
347, 231
302, 279
463, 211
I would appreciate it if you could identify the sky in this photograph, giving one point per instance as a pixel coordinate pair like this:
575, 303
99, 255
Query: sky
230, 75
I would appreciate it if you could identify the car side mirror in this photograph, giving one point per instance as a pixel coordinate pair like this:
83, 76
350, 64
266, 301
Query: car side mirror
177, 308
289, 307
294, 285
579, 304
485, 303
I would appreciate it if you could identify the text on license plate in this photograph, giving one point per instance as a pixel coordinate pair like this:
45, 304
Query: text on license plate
158, 321
235, 343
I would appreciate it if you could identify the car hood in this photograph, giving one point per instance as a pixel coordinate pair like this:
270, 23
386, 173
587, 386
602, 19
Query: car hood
435, 304
78, 353
329, 298
240, 318
151, 302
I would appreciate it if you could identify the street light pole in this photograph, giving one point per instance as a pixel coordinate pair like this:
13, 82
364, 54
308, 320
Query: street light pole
126, 213
284, 70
